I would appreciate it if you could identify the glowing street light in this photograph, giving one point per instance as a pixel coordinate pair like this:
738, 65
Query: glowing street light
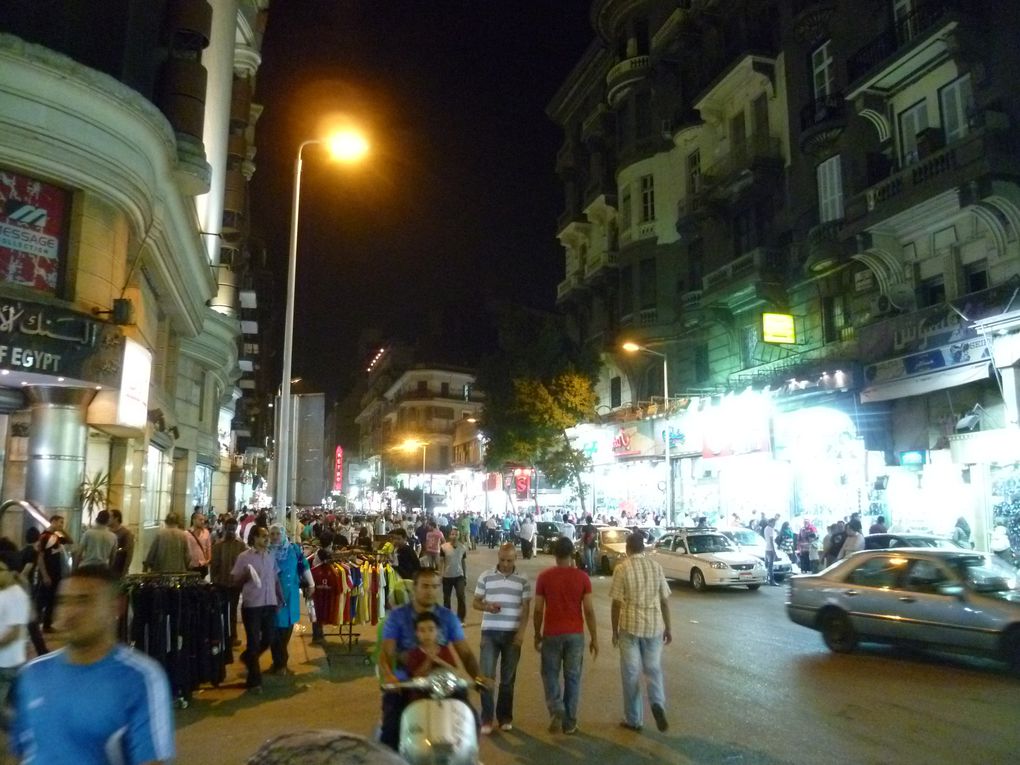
632, 347
346, 145
412, 445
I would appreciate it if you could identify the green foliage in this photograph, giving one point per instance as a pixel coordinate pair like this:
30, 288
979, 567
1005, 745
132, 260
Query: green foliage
537, 387
94, 493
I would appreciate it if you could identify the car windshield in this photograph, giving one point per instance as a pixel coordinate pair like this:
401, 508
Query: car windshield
744, 537
991, 575
614, 537
709, 543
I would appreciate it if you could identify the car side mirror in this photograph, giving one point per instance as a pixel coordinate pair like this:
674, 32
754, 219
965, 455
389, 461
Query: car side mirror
953, 590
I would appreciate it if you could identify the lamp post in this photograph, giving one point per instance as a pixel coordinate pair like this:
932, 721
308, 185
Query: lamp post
346, 146
635, 348
409, 446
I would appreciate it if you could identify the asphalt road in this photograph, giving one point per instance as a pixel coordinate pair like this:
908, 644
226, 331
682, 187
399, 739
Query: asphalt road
744, 685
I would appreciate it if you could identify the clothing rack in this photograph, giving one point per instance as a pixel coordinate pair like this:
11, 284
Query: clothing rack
355, 556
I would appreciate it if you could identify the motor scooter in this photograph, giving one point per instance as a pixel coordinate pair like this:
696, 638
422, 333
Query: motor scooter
440, 729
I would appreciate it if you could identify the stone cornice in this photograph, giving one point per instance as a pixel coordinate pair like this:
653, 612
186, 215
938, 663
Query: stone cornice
215, 349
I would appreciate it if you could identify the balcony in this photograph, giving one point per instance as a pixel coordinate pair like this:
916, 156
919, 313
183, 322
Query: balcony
638, 232
914, 44
822, 121
625, 75
973, 158
745, 71
600, 263
758, 160
746, 281
825, 251
811, 19
691, 212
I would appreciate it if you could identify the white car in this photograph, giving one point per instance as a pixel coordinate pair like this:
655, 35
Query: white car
706, 558
754, 543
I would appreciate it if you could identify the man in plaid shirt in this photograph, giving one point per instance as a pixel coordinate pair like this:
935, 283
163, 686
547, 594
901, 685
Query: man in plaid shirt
641, 626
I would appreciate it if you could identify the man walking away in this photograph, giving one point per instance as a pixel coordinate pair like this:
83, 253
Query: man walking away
641, 626
52, 564
125, 552
559, 634
527, 536
224, 555
127, 715
770, 549
453, 563
503, 595
434, 540
255, 572
98, 544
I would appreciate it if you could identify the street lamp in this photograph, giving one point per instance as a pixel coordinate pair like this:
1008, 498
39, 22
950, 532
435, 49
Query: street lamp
347, 146
631, 347
409, 446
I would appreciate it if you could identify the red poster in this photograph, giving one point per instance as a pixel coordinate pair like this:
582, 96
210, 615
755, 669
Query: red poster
338, 470
33, 215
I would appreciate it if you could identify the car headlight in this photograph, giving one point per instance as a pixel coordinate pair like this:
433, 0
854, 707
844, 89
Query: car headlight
719, 564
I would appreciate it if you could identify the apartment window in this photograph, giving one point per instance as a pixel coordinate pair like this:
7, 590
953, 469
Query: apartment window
444, 389
701, 370
835, 317
902, 15
466, 391
975, 276
956, 102
912, 122
647, 283
626, 290
694, 172
829, 175
625, 208
933, 291
647, 198
738, 134
615, 392
444, 457
823, 73
423, 386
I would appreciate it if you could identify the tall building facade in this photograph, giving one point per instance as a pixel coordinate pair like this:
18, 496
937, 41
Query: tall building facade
126, 142
810, 207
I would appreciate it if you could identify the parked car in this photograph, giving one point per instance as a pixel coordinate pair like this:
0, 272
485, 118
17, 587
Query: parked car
885, 540
941, 599
612, 547
707, 558
754, 543
547, 532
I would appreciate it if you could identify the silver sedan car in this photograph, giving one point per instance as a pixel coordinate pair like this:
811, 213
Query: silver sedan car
956, 600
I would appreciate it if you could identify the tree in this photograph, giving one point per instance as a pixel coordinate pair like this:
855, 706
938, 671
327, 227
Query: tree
537, 387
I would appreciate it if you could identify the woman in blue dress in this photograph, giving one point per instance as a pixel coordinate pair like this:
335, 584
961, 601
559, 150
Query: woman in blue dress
294, 571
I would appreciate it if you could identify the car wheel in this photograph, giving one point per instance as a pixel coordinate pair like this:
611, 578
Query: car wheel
780, 578
604, 567
838, 632
698, 580
753, 587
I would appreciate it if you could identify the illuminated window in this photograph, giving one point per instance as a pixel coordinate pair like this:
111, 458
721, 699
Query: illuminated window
159, 471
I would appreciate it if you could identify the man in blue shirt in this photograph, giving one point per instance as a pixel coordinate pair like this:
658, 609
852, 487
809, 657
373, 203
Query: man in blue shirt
127, 716
399, 637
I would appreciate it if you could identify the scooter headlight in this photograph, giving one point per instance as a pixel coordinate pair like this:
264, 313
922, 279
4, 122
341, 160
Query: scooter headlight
444, 683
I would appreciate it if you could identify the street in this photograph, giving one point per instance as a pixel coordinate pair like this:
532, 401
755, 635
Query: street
744, 685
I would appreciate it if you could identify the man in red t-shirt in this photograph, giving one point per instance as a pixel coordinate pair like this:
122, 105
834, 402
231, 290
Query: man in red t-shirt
559, 634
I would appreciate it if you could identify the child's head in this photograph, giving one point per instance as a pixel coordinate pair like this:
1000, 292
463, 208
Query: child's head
426, 628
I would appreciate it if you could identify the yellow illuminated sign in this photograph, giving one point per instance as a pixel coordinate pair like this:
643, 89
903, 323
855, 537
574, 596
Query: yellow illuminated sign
778, 328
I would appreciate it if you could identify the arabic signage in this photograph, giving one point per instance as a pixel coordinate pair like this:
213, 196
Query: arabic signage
945, 357
55, 341
33, 221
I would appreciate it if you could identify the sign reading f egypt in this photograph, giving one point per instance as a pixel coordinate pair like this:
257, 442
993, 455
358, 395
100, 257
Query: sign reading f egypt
778, 328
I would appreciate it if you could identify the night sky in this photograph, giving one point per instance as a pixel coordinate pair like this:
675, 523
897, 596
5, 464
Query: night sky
457, 205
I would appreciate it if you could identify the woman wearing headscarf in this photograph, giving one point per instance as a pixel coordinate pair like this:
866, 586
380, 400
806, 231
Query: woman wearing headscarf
294, 571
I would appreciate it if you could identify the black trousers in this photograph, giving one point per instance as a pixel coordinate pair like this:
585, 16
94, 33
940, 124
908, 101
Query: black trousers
260, 626
458, 583
47, 595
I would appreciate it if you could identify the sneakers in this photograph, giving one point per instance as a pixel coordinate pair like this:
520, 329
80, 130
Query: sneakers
660, 718
555, 723
486, 729
506, 726
569, 729
626, 725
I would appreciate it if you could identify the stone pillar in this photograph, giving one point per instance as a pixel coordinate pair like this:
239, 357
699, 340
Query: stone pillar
57, 440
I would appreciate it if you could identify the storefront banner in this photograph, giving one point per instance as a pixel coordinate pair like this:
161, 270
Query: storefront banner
932, 327
33, 217
634, 439
737, 425
925, 383
48, 340
948, 356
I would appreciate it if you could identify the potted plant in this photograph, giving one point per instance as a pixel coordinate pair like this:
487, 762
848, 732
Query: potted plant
94, 493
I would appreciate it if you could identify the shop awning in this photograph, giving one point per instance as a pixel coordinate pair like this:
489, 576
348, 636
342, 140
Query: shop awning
921, 384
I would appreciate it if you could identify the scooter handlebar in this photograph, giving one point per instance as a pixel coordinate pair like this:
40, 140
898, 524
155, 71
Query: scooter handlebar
440, 684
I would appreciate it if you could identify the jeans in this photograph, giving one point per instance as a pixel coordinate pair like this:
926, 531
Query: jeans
589, 559
564, 652
260, 627
498, 645
640, 655
451, 583
770, 559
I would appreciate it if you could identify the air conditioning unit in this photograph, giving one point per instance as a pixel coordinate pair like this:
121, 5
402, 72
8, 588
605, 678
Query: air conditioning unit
882, 306
898, 300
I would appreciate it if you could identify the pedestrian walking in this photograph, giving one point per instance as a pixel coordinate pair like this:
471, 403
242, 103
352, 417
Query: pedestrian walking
95, 700
53, 549
503, 595
224, 556
199, 544
453, 569
527, 537
255, 572
434, 540
125, 552
293, 572
641, 626
168, 553
559, 634
98, 544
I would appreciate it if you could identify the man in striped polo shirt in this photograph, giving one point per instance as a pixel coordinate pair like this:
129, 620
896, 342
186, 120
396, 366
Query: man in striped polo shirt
503, 594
